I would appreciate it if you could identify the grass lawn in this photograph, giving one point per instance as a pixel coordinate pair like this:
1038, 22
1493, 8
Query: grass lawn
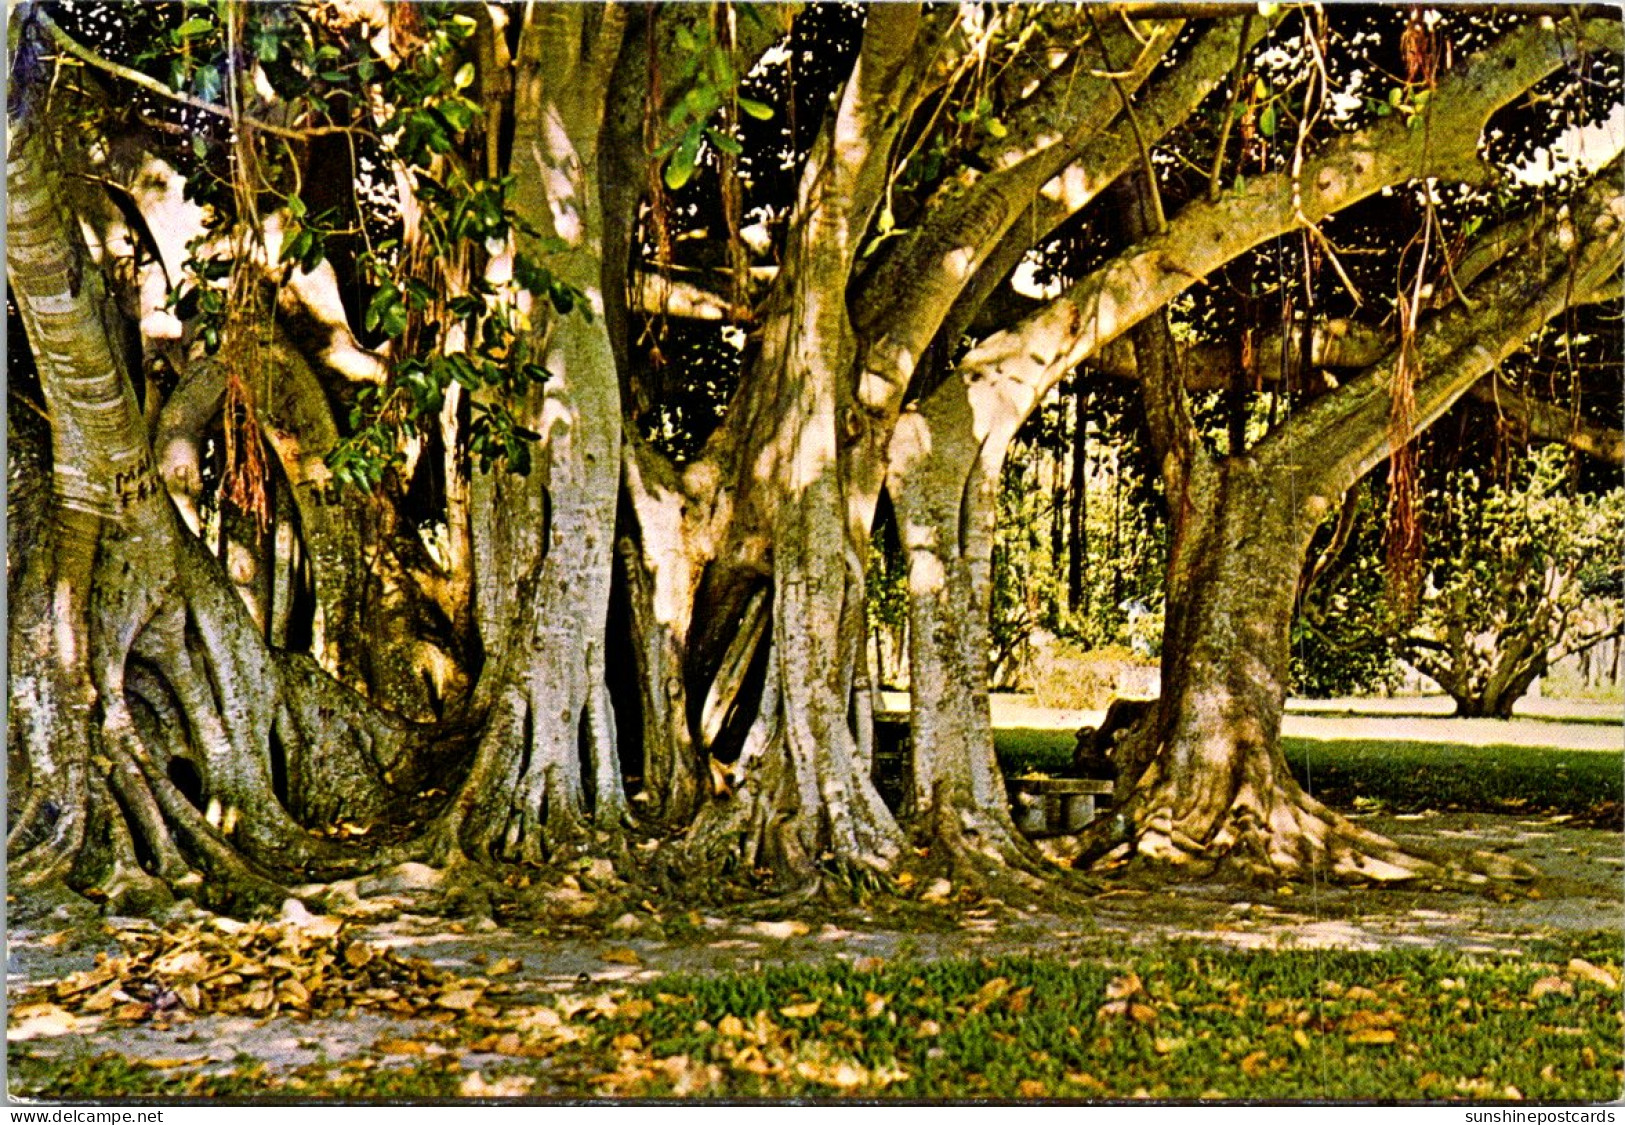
1402, 776
1172, 1021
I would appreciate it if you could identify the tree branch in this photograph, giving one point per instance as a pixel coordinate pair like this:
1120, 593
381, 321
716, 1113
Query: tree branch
1341, 437
146, 82
971, 240
1023, 362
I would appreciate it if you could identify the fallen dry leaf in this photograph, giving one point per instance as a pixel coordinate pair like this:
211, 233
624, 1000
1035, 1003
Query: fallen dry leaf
460, 999
508, 1086
1547, 986
1256, 1065
782, 931
1373, 1035
621, 956
410, 1047
170, 1064
1580, 969
1123, 987
801, 1011
41, 1021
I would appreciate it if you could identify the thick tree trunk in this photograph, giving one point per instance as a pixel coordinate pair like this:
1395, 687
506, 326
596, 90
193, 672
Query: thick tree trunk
1486, 676
547, 770
1206, 783
122, 617
663, 558
945, 484
803, 798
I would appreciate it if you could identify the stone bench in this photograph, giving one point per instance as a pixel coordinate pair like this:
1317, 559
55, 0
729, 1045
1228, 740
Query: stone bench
1054, 806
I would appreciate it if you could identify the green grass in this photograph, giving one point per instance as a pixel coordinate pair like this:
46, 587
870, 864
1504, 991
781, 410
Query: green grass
1022, 750
1188, 1023
1411, 776
1401, 776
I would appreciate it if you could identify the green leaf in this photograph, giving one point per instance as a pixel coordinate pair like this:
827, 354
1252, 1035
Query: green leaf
267, 48
194, 27
295, 248
386, 313
681, 167
996, 129
1266, 121
206, 82
464, 78
724, 142
756, 109
459, 114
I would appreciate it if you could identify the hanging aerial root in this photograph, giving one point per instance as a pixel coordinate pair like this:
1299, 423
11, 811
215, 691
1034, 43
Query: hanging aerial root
229, 880
47, 833
127, 886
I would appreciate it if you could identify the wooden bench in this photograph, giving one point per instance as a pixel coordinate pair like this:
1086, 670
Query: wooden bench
1054, 806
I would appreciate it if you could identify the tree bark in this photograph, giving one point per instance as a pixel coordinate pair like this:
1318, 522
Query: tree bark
1207, 783
121, 615
547, 772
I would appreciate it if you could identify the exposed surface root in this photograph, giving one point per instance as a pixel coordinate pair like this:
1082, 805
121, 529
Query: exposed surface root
987, 855
1278, 832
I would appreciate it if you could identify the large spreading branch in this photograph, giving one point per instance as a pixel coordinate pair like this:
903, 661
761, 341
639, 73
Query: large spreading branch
1341, 344
1008, 372
1065, 156
1340, 438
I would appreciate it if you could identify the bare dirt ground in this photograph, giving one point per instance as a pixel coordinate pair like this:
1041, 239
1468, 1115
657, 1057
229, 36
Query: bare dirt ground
1579, 888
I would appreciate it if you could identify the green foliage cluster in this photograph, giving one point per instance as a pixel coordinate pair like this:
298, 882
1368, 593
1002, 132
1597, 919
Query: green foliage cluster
1527, 553
1519, 564
429, 117
710, 84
